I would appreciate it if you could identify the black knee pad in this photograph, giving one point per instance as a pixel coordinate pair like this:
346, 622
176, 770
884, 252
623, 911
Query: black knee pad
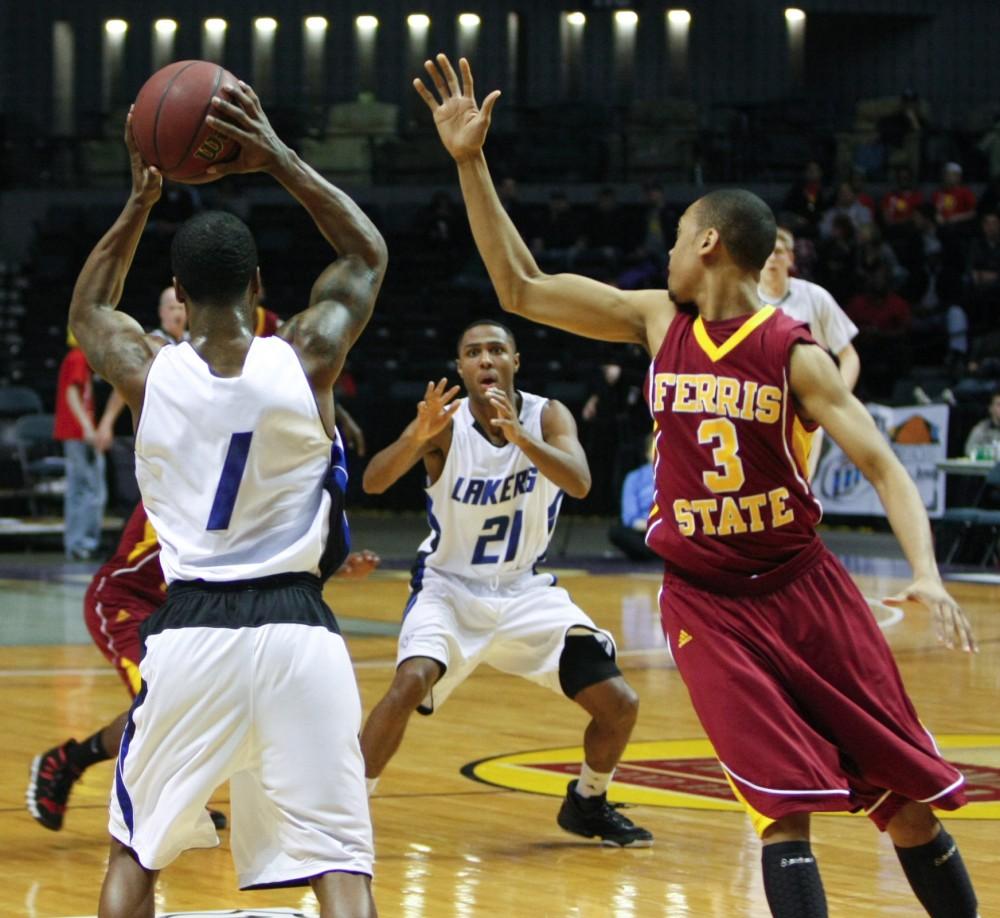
584, 662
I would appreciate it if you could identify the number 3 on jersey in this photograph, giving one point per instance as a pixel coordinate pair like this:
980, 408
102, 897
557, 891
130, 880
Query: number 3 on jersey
725, 455
495, 530
229, 481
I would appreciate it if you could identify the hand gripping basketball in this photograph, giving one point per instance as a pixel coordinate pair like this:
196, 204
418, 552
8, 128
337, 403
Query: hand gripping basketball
147, 183
241, 119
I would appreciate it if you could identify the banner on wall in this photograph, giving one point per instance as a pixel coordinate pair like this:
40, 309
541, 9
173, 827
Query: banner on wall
918, 435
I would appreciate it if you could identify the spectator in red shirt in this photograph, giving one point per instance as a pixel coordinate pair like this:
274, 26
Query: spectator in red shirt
899, 203
883, 318
84, 447
954, 202
877, 308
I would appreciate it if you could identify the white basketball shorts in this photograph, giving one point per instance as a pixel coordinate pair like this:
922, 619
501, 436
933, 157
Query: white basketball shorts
518, 625
271, 707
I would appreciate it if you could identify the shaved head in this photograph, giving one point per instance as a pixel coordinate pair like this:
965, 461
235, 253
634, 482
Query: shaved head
745, 224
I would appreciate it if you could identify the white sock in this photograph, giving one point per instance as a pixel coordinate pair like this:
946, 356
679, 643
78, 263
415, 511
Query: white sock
370, 784
593, 783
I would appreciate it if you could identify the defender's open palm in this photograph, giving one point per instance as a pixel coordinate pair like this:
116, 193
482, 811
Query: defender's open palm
461, 124
950, 624
434, 413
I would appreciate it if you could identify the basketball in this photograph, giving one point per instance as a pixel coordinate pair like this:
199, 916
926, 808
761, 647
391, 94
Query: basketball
168, 121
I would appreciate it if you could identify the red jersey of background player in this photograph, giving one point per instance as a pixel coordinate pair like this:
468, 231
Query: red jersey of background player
733, 510
133, 572
265, 322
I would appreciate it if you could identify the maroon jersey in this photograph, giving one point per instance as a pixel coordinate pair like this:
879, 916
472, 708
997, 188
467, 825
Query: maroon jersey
733, 512
133, 576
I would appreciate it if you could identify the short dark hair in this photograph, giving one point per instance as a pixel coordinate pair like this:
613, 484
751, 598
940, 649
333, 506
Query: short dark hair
477, 322
213, 256
744, 222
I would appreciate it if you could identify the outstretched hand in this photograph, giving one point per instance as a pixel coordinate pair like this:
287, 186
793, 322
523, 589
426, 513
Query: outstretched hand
241, 118
950, 624
460, 122
436, 409
147, 182
358, 565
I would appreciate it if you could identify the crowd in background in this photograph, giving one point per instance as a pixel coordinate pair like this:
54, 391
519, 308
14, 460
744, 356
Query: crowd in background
915, 265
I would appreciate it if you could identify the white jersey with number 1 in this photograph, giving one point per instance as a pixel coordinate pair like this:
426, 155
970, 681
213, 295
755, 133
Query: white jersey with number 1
491, 511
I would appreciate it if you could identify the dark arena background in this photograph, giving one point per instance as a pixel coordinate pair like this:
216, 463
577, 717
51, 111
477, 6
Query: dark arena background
871, 128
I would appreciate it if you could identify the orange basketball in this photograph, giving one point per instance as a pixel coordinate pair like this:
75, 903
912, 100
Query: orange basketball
168, 121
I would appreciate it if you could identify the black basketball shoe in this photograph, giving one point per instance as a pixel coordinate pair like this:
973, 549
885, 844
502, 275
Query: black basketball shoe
594, 817
52, 778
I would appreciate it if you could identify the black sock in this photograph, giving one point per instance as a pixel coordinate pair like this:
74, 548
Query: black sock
938, 876
792, 882
82, 755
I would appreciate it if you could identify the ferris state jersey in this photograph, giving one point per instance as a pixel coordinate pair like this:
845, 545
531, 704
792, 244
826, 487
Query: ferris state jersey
238, 475
734, 512
133, 571
125, 591
491, 511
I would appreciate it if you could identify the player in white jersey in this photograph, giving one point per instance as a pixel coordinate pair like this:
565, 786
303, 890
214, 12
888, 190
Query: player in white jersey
810, 303
245, 676
497, 463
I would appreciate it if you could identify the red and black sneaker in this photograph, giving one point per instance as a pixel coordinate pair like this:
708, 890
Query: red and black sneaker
52, 778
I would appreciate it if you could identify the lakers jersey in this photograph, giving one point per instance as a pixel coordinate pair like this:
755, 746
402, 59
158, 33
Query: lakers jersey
238, 475
491, 511
733, 505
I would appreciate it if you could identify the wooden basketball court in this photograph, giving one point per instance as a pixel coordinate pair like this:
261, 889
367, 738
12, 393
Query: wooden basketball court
451, 846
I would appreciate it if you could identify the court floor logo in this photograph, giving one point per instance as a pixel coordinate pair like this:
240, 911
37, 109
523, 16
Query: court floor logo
685, 774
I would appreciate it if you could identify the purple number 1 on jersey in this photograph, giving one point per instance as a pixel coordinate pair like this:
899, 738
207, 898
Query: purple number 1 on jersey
229, 481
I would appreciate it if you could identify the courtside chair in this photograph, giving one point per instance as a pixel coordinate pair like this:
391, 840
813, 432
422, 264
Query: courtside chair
977, 516
43, 467
19, 400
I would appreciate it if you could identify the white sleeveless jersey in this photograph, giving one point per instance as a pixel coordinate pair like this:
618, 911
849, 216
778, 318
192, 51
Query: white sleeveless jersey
238, 476
491, 511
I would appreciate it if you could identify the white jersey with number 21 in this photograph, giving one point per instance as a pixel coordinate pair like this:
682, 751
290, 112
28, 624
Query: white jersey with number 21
491, 512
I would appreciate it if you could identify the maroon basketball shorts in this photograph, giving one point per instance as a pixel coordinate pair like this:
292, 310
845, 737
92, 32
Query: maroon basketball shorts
799, 694
113, 618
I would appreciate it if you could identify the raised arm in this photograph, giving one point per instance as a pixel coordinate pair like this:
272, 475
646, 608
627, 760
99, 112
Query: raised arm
568, 301
115, 344
822, 395
343, 296
427, 437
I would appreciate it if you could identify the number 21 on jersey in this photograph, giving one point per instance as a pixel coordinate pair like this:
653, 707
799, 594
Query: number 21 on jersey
495, 529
